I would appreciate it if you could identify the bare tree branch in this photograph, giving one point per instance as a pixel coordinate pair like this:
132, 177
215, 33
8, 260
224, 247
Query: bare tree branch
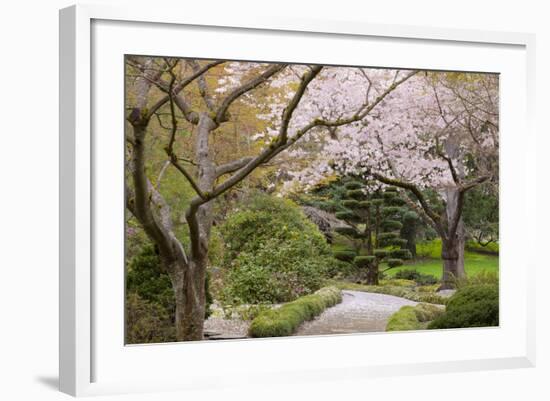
203, 87
246, 87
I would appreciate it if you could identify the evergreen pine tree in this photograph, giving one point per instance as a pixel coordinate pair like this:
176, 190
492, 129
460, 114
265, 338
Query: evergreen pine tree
373, 218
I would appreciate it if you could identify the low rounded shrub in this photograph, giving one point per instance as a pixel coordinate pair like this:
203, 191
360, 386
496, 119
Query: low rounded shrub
285, 320
403, 319
413, 317
419, 278
471, 306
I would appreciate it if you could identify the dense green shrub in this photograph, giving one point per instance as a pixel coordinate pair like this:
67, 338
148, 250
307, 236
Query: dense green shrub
419, 278
470, 306
285, 320
413, 317
152, 290
274, 253
147, 322
145, 277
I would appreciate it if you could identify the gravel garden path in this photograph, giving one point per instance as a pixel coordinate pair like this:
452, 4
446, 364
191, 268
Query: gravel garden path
359, 312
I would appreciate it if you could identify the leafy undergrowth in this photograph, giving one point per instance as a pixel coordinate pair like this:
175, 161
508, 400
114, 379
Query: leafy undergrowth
285, 320
418, 294
414, 317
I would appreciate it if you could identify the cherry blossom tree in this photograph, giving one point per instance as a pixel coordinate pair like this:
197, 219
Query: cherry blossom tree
306, 101
438, 132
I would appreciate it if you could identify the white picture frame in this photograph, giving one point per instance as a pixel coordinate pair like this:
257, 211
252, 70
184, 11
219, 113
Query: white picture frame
90, 363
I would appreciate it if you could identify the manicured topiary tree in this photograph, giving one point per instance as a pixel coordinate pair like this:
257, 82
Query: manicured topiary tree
373, 218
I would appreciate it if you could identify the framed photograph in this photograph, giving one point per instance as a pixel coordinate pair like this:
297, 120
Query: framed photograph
278, 200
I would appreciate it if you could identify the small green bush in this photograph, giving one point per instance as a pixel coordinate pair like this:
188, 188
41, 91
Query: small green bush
419, 278
403, 319
285, 320
470, 306
413, 317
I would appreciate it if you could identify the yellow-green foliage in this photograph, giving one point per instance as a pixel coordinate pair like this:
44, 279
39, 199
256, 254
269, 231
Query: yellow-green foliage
490, 249
413, 317
483, 277
429, 249
428, 288
398, 282
285, 320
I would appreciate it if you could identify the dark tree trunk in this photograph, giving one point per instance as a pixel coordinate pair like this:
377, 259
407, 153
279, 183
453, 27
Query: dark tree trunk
189, 289
372, 274
452, 246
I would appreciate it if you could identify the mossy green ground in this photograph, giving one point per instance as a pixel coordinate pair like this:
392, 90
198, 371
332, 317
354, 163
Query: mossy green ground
473, 263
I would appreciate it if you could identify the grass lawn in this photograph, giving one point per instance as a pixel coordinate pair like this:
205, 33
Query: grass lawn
474, 263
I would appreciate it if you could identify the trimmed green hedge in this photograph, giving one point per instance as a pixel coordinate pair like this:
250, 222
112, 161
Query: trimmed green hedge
285, 320
413, 317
